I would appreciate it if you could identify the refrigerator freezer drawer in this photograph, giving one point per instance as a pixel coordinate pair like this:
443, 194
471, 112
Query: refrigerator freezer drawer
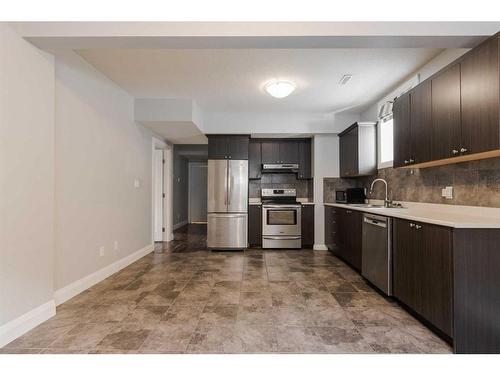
227, 231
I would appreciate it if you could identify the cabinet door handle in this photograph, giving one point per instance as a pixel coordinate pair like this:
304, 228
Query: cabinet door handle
412, 225
418, 226
406, 161
454, 152
412, 161
463, 150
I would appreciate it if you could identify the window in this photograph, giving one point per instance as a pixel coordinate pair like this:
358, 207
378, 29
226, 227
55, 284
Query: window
385, 135
385, 147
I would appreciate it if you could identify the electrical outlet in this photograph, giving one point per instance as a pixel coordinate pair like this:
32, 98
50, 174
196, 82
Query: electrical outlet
101, 251
447, 192
137, 183
115, 245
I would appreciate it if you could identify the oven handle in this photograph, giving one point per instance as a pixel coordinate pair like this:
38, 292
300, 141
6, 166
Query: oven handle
281, 237
281, 206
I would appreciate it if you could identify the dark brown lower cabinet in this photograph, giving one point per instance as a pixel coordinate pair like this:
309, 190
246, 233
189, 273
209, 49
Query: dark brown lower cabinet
423, 271
450, 277
353, 234
331, 231
255, 225
343, 233
307, 224
476, 255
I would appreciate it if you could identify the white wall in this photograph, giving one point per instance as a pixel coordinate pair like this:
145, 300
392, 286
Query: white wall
326, 164
26, 178
100, 151
274, 123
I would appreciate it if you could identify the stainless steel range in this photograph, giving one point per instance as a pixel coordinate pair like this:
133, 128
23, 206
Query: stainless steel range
281, 219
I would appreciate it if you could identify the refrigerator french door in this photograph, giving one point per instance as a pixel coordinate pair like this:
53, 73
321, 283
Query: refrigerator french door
227, 204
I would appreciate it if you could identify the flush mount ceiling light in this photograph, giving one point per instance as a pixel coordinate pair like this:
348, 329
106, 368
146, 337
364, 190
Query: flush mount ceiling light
345, 78
279, 89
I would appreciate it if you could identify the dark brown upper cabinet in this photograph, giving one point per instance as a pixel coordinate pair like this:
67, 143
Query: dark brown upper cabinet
402, 131
305, 168
464, 117
289, 152
228, 147
254, 160
358, 150
270, 152
276, 151
421, 122
480, 78
412, 113
446, 129
280, 151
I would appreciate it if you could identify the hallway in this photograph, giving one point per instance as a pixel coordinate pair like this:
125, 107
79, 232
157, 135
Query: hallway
188, 238
188, 300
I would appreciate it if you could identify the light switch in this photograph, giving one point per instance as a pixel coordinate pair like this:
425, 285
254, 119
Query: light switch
447, 192
137, 183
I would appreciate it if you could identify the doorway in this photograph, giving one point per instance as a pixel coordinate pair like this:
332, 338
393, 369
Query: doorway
161, 191
197, 192
158, 195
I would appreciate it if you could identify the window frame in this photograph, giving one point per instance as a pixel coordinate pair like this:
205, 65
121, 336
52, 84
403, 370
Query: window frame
385, 164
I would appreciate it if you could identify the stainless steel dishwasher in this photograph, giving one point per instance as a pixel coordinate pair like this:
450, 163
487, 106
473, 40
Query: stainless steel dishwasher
376, 258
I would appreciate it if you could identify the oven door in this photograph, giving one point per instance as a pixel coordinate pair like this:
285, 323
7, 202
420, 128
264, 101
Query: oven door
281, 220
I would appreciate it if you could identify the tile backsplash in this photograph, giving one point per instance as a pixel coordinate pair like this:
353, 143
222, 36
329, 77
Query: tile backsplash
281, 181
475, 183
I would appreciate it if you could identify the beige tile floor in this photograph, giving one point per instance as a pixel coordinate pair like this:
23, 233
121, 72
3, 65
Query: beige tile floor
231, 302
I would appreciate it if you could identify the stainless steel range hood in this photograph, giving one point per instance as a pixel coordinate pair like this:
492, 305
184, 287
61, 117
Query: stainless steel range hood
280, 167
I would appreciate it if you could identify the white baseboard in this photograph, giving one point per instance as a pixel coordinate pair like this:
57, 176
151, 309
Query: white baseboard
181, 224
71, 290
320, 246
22, 324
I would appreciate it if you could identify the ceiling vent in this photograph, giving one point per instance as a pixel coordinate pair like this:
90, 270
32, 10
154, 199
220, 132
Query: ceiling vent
345, 78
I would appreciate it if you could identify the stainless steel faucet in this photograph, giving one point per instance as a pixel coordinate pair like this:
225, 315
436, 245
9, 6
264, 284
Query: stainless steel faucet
387, 202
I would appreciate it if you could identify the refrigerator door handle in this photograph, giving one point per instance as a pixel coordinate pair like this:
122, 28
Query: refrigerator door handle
227, 216
226, 186
229, 186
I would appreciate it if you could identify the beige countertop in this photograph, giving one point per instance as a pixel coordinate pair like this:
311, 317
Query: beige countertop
439, 214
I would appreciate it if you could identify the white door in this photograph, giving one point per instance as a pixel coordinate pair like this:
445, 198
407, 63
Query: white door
197, 192
158, 195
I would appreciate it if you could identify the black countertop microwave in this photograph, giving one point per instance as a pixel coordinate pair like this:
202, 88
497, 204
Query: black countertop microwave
352, 195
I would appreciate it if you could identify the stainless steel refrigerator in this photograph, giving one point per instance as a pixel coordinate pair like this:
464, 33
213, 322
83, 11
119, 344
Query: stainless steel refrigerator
227, 204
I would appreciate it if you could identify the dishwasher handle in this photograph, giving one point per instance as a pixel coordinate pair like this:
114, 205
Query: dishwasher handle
373, 221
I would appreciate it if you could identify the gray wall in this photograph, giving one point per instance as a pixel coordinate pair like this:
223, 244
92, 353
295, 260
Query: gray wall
182, 155
180, 182
198, 178
100, 152
26, 178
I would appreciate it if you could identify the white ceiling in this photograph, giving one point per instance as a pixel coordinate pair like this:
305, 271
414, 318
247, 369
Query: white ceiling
231, 80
